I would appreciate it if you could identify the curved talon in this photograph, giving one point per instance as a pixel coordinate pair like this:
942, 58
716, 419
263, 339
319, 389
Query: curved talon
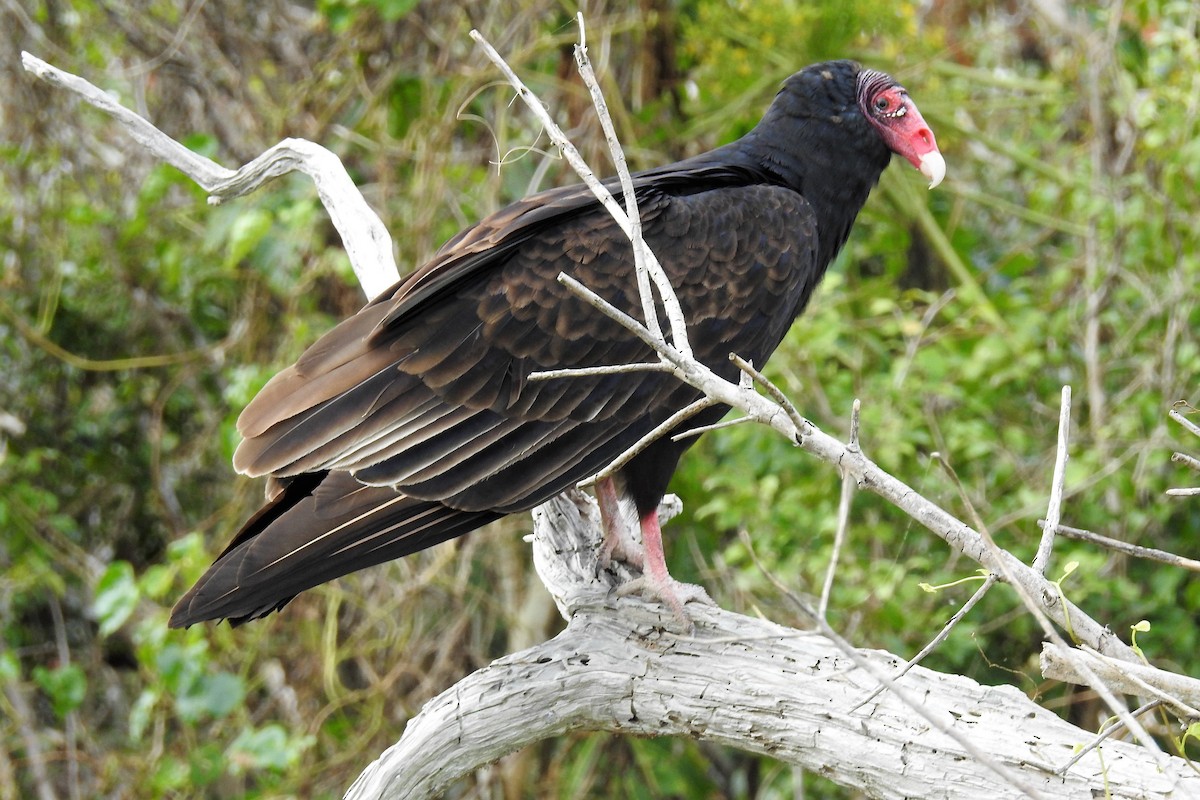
673, 594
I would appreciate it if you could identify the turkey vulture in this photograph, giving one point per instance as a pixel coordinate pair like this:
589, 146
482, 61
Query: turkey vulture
413, 422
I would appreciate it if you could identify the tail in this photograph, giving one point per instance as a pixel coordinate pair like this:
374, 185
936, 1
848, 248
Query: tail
320, 526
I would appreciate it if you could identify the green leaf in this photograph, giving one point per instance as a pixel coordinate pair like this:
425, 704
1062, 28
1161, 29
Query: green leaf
139, 714
10, 667
267, 748
156, 581
244, 235
213, 695
66, 686
116, 597
392, 10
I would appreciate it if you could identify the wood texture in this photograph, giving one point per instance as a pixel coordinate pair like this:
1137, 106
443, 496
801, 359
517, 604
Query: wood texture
746, 683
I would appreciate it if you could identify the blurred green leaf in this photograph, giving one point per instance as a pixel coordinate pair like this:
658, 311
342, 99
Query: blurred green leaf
213, 695
248, 230
116, 597
65, 686
269, 747
140, 713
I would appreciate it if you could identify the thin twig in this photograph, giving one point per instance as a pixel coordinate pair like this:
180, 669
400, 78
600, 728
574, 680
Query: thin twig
608, 369
1190, 426
943, 634
569, 151
914, 341
646, 263
843, 518
775, 392
716, 426
688, 411
1186, 460
1048, 598
976, 519
22, 716
1135, 550
63, 650
612, 312
1054, 511
617, 153
1109, 731
1013, 779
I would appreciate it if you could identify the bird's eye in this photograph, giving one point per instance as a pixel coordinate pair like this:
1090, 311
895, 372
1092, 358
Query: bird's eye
881, 103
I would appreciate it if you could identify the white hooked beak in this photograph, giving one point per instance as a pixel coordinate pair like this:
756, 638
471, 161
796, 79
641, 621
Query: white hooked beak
933, 166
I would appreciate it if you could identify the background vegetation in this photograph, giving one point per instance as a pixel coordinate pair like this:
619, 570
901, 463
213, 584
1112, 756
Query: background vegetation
136, 321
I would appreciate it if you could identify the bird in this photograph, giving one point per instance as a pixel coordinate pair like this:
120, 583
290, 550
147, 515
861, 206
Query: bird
414, 421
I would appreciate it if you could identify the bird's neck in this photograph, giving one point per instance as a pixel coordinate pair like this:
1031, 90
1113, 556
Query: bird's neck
830, 162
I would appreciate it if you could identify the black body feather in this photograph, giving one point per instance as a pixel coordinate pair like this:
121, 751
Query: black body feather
413, 421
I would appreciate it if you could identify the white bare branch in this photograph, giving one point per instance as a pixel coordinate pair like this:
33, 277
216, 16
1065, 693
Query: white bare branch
648, 263
1178, 691
748, 683
1054, 510
1135, 550
368, 243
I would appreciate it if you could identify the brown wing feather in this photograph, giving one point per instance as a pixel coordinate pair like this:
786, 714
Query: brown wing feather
315, 530
421, 404
739, 263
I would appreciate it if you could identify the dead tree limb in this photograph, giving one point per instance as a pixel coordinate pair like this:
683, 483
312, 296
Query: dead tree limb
746, 683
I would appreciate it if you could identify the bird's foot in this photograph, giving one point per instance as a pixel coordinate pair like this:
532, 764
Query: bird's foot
619, 541
620, 545
668, 591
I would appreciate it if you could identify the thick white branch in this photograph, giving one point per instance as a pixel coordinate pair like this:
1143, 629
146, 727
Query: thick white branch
1178, 691
368, 243
746, 683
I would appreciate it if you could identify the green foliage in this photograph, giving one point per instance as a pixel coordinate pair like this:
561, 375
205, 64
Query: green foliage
116, 597
66, 686
270, 747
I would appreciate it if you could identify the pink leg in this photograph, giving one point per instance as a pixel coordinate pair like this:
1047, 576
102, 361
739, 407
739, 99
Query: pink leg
617, 541
655, 565
656, 582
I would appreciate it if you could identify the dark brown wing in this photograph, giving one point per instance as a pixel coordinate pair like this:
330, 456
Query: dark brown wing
438, 404
415, 420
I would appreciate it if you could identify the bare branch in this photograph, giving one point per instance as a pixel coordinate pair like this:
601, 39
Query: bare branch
368, 243
645, 262
748, 683
943, 634
1109, 731
1178, 691
1054, 512
1043, 608
886, 682
748, 370
682, 415
843, 517
1188, 425
1186, 460
631, 229
610, 369
1125, 547
716, 426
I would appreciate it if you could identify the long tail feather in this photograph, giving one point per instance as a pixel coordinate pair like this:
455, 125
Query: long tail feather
319, 527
